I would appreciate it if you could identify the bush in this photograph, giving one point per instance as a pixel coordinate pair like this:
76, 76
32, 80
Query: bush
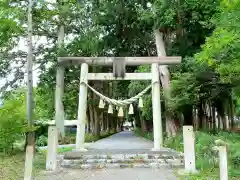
13, 124
206, 157
147, 135
42, 140
70, 138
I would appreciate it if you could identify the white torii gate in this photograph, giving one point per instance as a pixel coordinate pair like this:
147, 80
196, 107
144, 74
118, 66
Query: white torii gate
108, 61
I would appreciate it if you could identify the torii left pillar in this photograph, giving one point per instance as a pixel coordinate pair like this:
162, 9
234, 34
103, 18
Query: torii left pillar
82, 109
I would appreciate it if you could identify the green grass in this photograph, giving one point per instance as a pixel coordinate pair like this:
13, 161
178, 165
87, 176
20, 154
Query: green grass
59, 150
206, 158
65, 149
12, 165
70, 138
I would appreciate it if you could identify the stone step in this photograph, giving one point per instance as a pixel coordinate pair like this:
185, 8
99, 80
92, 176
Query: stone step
94, 163
95, 159
122, 156
120, 165
89, 161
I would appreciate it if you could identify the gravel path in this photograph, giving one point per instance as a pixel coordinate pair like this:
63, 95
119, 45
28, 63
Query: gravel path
123, 140
126, 141
110, 174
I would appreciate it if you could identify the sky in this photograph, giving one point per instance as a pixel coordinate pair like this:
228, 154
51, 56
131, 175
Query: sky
22, 45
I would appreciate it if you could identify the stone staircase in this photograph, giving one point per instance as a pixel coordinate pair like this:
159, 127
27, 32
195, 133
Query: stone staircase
99, 159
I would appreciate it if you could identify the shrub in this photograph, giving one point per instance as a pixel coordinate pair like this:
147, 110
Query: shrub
206, 157
41, 140
12, 124
70, 138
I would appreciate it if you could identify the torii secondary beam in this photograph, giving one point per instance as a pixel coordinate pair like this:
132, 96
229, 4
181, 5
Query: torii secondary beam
130, 61
110, 76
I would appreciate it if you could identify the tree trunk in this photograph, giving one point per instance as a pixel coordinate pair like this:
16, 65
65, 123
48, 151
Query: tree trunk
171, 127
59, 91
138, 118
30, 149
187, 113
96, 113
221, 114
88, 129
117, 124
104, 119
96, 123
213, 118
120, 123
143, 125
114, 123
231, 112
197, 120
210, 116
91, 117
223, 121
107, 124
110, 122
200, 115
226, 115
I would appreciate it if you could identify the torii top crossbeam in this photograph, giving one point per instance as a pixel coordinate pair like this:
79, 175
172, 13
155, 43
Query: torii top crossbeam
108, 61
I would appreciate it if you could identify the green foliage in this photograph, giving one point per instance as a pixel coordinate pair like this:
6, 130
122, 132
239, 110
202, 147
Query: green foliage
44, 108
190, 21
206, 156
70, 138
136, 87
185, 91
109, 28
11, 17
41, 141
222, 48
12, 166
147, 135
13, 123
65, 149
125, 28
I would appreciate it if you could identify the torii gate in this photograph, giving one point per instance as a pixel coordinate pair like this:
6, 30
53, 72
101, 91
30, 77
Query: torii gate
154, 76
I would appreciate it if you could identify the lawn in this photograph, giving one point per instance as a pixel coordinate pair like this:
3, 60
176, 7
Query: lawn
206, 158
12, 166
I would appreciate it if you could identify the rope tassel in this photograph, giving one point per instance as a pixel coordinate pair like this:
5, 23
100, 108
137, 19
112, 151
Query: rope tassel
110, 109
120, 112
119, 102
101, 104
140, 103
131, 111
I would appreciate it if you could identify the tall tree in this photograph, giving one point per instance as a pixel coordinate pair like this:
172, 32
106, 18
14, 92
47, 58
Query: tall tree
30, 135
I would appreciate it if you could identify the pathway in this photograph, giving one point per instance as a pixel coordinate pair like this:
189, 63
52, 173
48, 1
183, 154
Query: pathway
123, 141
111, 174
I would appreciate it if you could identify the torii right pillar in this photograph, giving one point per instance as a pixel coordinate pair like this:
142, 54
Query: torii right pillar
156, 108
156, 103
